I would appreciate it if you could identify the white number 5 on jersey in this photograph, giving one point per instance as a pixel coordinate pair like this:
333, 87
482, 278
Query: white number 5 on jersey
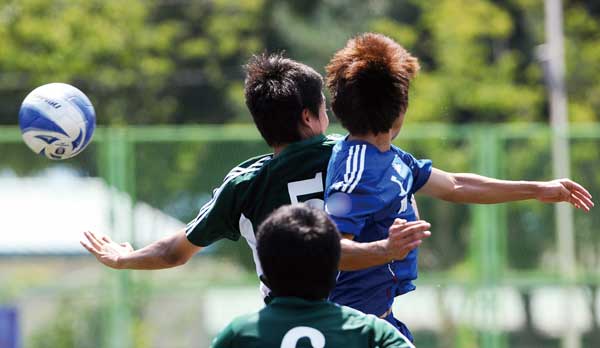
306, 187
291, 338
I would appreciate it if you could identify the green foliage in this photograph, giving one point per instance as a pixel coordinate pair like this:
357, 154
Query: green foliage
583, 70
181, 61
82, 322
77, 325
106, 48
139, 61
216, 39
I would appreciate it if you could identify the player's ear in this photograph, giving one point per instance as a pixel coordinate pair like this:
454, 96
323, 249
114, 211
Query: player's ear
307, 117
309, 124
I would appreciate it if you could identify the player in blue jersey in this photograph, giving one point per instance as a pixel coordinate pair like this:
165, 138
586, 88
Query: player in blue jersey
371, 183
288, 107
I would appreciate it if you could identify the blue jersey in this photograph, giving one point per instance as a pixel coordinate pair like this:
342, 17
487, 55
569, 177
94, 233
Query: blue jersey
367, 189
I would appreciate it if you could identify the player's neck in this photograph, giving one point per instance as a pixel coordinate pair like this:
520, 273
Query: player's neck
278, 148
382, 141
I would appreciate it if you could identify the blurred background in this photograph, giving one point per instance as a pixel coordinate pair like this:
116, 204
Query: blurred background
166, 79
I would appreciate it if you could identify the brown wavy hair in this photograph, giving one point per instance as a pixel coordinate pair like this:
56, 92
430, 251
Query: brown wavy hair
369, 80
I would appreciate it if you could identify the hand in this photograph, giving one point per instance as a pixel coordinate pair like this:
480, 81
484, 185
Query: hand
405, 236
104, 249
565, 190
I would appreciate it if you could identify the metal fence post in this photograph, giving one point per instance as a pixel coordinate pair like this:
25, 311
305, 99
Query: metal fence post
116, 163
486, 256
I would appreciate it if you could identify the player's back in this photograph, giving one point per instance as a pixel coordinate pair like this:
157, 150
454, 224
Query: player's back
252, 190
291, 322
379, 186
297, 174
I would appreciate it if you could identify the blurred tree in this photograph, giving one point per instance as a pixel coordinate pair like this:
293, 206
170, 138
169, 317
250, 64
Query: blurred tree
471, 68
139, 61
216, 39
179, 61
471, 72
104, 47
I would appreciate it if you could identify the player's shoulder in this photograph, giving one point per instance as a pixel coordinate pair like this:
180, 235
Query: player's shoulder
357, 318
357, 153
246, 170
384, 333
349, 312
356, 167
332, 139
358, 157
254, 162
321, 144
244, 322
399, 151
405, 156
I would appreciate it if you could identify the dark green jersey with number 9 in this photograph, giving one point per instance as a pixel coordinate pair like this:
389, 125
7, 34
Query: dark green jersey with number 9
253, 189
290, 322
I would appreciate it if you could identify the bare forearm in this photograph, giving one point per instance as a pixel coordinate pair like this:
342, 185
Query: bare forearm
153, 256
473, 188
167, 252
357, 256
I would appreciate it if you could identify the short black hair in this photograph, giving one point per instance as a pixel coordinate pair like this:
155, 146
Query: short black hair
277, 90
369, 80
299, 250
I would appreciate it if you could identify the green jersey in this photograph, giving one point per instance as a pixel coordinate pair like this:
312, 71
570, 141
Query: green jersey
290, 322
253, 189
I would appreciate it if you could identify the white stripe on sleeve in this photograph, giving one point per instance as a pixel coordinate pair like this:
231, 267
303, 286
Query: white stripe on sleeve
351, 170
361, 168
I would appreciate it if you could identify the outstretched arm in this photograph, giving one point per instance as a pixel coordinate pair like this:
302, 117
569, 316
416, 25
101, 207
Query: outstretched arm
167, 252
473, 188
403, 237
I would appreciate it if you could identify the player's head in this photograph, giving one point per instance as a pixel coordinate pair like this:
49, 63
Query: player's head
285, 99
368, 80
299, 250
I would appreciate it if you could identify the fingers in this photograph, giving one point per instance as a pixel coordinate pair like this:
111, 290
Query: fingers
410, 227
580, 202
411, 246
88, 247
406, 236
578, 195
575, 194
414, 236
573, 186
398, 222
93, 240
401, 250
584, 199
410, 233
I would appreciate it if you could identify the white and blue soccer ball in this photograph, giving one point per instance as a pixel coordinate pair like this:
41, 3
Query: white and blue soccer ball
57, 121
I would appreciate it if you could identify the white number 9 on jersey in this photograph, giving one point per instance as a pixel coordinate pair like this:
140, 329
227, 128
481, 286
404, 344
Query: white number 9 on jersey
291, 338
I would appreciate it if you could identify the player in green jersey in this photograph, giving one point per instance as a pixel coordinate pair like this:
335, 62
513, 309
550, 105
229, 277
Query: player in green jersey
288, 107
299, 248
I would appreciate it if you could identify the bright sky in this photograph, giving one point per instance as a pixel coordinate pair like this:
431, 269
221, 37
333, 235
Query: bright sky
47, 214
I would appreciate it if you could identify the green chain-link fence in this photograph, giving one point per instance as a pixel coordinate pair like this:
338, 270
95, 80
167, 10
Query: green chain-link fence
488, 276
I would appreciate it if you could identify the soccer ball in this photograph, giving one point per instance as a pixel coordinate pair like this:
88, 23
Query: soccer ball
57, 121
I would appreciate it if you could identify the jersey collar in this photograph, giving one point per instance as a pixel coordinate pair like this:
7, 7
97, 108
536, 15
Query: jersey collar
295, 302
303, 143
346, 143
